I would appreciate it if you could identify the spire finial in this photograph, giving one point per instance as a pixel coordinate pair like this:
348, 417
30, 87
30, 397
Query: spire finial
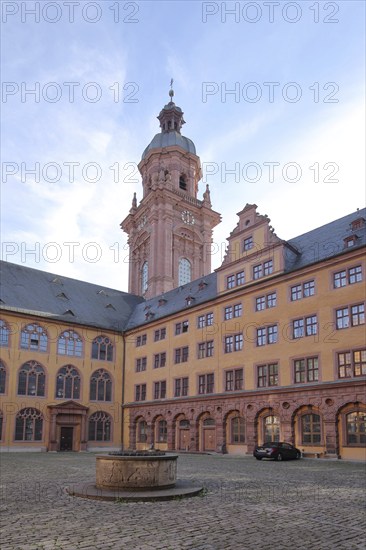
171, 91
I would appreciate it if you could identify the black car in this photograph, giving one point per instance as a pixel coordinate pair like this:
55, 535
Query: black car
276, 450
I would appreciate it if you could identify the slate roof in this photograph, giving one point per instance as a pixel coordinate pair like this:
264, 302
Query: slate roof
31, 291
167, 139
325, 242
199, 291
28, 290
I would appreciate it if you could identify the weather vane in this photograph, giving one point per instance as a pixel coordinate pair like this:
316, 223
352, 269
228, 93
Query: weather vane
171, 91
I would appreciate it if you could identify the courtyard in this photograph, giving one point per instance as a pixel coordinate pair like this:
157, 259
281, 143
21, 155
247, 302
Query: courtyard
245, 504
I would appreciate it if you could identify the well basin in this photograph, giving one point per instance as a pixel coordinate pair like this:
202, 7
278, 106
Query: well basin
136, 472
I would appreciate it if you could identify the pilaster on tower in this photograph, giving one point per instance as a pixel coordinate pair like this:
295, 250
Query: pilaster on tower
170, 231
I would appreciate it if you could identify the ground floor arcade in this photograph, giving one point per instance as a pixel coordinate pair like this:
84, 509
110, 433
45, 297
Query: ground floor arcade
326, 422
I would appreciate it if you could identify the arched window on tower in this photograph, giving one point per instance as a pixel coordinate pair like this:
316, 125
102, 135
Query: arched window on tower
184, 271
183, 182
144, 277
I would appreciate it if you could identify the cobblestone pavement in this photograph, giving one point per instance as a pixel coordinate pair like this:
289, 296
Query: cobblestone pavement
307, 504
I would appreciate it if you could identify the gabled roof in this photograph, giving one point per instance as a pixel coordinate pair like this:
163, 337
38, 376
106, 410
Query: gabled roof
325, 242
27, 290
177, 300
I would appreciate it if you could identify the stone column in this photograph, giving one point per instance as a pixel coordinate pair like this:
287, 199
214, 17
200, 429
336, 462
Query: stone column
53, 439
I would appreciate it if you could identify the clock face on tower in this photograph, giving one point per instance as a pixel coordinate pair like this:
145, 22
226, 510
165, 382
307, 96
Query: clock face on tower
187, 217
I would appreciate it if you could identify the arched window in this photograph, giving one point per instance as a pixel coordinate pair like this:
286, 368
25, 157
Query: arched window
100, 426
162, 431
184, 271
237, 430
100, 386
2, 377
310, 429
29, 425
4, 333
356, 428
34, 337
31, 379
271, 430
68, 383
144, 277
208, 422
70, 343
183, 182
184, 424
102, 349
142, 431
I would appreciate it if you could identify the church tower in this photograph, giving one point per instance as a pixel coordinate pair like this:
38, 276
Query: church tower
170, 230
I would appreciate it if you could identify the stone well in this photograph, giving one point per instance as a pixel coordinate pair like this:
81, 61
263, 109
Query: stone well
136, 471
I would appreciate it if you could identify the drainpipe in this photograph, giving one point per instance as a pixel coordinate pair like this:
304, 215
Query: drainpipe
123, 391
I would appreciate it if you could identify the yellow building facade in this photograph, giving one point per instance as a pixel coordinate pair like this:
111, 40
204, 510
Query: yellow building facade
270, 355
269, 347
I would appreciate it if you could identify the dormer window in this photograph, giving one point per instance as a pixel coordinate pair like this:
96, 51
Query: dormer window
183, 182
189, 300
358, 224
350, 241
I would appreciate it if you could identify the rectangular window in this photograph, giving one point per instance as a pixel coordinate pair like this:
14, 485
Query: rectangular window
205, 320
160, 334
248, 244
296, 293
229, 341
261, 336
201, 321
160, 390
181, 387
342, 318
311, 325
205, 349
141, 364
238, 342
306, 370
267, 267
272, 299
240, 278
238, 310
233, 343
234, 380
309, 289
182, 327
181, 355
272, 332
355, 275
267, 375
357, 315
206, 383
140, 392
230, 281
257, 271
340, 279
228, 313
351, 363
267, 335
159, 360
351, 276
305, 327
260, 303
141, 340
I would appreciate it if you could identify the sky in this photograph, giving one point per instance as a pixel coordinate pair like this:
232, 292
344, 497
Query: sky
272, 94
